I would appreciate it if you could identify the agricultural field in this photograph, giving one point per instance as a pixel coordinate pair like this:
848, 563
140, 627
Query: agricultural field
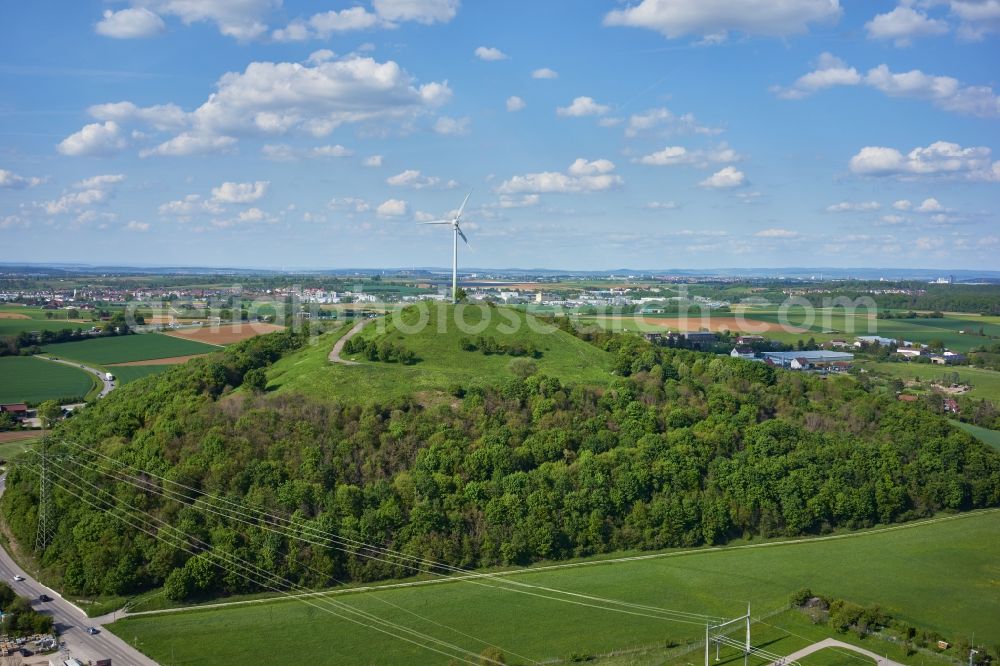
828, 324
129, 373
939, 575
126, 348
988, 437
985, 383
226, 333
28, 379
15, 318
441, 361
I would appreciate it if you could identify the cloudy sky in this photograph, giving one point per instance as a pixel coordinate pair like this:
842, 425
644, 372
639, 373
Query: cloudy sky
595, 134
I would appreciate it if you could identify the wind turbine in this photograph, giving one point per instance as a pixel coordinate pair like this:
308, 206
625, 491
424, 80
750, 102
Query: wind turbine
454, 222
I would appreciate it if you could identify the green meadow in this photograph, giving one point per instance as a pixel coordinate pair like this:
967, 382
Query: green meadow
941, 575
441, 362
988, 437
28, 379
130, 373
984, 383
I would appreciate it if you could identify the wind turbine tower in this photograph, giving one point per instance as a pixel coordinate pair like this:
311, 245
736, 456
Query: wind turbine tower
455, 223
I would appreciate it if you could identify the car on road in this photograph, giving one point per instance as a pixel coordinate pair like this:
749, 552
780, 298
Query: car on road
45, 597
93, 630
18, 578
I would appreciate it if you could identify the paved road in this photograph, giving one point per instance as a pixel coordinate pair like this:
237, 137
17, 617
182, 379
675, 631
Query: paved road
107, 385
339, 345
834, 643
70, 621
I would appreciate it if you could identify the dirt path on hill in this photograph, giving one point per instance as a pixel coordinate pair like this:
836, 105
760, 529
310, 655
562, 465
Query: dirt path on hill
339, 346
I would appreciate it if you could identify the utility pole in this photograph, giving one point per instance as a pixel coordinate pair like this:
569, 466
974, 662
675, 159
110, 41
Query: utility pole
43, 535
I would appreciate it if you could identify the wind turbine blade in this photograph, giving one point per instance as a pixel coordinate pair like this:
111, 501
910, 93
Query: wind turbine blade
459, 230
436, 222
462, 209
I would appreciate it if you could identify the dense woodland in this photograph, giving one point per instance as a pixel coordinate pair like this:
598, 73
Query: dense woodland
681, 449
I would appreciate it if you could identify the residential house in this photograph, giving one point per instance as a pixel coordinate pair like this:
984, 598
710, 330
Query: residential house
742, 351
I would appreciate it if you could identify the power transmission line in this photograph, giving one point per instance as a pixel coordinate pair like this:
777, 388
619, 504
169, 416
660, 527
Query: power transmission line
228, 561
281, 525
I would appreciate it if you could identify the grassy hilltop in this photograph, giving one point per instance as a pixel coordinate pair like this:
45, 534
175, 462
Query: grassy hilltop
440, 360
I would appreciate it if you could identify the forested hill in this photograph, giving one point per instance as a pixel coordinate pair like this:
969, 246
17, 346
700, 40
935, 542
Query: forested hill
689, 449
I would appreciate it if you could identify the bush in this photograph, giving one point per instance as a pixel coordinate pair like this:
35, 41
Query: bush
800, 597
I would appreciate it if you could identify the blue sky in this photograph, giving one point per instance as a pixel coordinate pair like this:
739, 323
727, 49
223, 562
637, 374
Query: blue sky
595, 134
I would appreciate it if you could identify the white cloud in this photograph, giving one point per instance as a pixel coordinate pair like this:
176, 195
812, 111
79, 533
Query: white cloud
241, 19
830, 71
345, 20
373, 161
282, 152
902, 204
978, 17
335, 150
160, 116
662, 205
663, 121
413, 179
940, 159
94, 139
322, 55
715, 18
903, 24
131, 23
392, 208
524, 201
943, 91
545, 73
452, 126
135, 225
420, 11
387, 14
353, 204
191, 204
725, 178
190, 143
240, 192
11, 181
515, 103
893, 219
930, 205
679, 155
582, 106
90, 191
100, 182
581, 176
490, 53
777, 233
854, 207
271, 98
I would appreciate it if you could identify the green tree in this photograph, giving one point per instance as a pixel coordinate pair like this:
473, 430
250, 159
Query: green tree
49, 412
255, 380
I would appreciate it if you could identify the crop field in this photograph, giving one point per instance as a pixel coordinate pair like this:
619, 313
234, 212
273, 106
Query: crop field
984, 383
129, 373
940, 575
827, 324
122, 349
15, 318
988, 437
441, 361
27, 379
226, 333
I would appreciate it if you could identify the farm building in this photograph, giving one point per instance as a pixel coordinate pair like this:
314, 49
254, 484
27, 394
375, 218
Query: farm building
18, 409
749, 339
803, 360
863, 340
744, 352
